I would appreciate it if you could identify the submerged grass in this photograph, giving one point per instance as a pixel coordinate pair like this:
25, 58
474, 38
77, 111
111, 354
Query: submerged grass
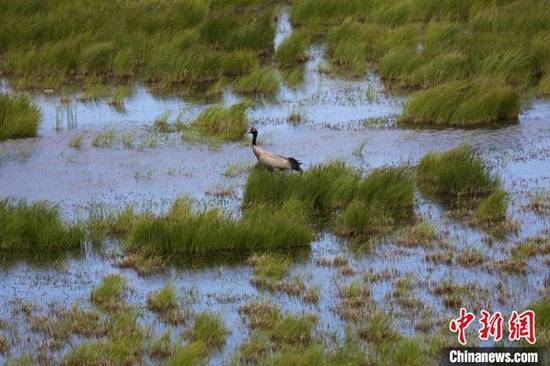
35, 227
18, 117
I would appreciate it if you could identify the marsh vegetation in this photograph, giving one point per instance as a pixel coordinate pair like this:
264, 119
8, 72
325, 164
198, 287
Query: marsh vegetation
166, 245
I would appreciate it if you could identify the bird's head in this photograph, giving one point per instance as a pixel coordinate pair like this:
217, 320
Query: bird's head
253, 130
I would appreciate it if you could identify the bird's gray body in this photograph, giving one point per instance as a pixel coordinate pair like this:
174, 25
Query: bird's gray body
270, 160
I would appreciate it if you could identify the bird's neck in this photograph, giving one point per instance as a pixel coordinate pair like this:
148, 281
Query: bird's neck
254, 137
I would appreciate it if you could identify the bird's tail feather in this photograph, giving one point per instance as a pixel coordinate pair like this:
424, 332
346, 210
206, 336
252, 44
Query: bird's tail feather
295, 164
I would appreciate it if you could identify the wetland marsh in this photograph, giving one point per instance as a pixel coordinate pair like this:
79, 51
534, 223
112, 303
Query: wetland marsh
165, 244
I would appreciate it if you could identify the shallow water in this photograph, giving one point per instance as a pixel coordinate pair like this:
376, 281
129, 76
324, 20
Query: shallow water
338, 124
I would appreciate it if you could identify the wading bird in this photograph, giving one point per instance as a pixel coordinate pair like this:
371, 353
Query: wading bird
270, 160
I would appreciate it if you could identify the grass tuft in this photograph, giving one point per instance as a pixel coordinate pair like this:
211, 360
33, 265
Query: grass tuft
223, 123
263, 81
108, 295
184, 233
463, 103
31, 227
19, 117
456, 176
208, 329
492, 209
190, 355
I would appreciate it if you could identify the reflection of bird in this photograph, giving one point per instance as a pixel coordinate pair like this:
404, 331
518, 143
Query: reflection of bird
270, 160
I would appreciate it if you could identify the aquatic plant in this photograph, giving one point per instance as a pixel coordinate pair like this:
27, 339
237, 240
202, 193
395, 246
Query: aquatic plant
184, 232
368, 205
377, 328
163, 300
192, 354
258, 81
36, 227
291, 51
542, 313
453, 52
420, 234
108, 295
455, 176
492, 209
269, 269
208, 329
104, 139
223, 123
161, 347
255, 348
282, 329
181, 42
123, 344
462, 103
19, 117
322, 187
382, 200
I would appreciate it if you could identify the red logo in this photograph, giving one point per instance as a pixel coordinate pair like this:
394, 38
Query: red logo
459, 325
520, 326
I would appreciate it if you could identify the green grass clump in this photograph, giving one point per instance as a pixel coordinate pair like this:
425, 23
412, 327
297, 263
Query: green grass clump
383, 199
104, 139
282, 329
292, 51
377, 328
463, 103
372, 204
255, 348
123, 344
190, 355
492, 209
269, 269
316, 13
223, 123
108, 295
163, 300
321, 187
542, 316
456, 176
298, 355
208, 329
184, 232
258, 81
31, 227
18, 117
362, 219
471, 60
161, 347
166, 44
420, 234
